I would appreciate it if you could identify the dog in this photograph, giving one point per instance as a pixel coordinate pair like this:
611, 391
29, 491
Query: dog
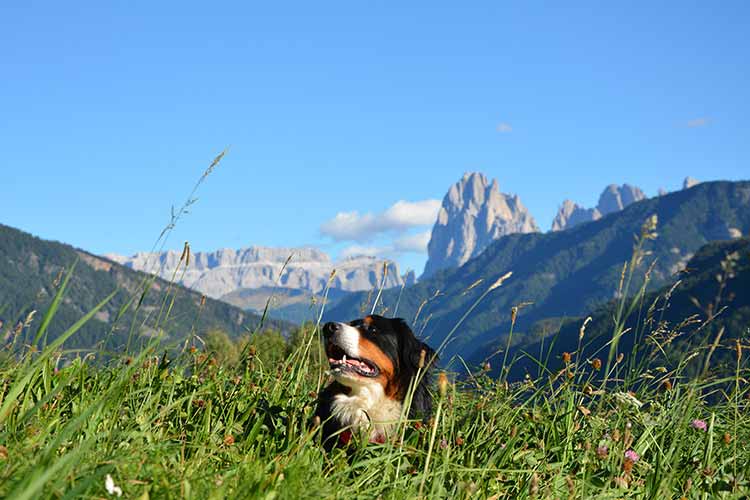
373, 361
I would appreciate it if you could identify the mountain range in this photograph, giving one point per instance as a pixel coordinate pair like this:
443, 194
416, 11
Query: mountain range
562, 273
289, 277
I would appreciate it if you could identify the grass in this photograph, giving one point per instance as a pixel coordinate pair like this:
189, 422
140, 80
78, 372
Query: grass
191, 428
175, 423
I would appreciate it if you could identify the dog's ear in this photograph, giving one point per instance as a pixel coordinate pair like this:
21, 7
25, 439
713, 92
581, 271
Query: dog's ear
411, 348
415, 353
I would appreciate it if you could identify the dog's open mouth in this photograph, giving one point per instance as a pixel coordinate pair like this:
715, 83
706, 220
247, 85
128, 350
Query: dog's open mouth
340, 362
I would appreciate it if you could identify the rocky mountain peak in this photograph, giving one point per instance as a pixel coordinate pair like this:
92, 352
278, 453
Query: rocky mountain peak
613, 199
571, 214
689, 182
473, 214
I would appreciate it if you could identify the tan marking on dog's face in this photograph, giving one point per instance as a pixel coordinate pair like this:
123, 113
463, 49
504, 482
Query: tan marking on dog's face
372, 352
367, 320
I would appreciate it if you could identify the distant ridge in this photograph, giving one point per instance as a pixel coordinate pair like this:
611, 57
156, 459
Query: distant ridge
224, 271
31, 269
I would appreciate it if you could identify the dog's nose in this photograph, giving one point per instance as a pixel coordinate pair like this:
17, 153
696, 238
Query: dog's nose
331, 328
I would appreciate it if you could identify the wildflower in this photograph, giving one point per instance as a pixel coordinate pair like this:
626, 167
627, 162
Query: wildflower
109, 485
228, 440
596, 364
3, 452
632, 456
459, 441
585, 411
443, 444
602, 452
666, 385
316, 421
566, 357
627, 466
727, 438
699, 424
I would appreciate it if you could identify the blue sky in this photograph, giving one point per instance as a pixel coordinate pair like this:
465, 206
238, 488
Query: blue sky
109, 111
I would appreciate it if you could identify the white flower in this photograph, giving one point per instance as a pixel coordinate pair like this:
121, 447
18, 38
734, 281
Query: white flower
109, 484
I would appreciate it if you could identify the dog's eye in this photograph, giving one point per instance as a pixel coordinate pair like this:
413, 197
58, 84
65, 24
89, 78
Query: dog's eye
370, 329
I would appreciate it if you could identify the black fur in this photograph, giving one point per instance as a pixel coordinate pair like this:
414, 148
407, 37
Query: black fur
394, 337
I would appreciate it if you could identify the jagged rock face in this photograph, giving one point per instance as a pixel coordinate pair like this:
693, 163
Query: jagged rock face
571, 214
223, 271
613, 199
474, 213
689, 182
409, 278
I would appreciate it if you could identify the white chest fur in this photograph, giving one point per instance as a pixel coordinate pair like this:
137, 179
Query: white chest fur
367, 409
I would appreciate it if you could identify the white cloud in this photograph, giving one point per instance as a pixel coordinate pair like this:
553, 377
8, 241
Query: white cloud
413, 243
697, 122
504, 127
402, 215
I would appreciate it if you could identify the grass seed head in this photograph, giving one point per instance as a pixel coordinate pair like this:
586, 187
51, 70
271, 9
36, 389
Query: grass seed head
442, 384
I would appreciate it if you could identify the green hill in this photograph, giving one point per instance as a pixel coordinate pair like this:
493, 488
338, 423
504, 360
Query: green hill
562, 274
713, 293
31, 269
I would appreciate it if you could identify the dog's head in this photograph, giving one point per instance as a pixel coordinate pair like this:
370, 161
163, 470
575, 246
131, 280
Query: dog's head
378, 350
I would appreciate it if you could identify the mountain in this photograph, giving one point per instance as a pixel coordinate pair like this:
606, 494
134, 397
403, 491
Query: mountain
693, 296
224, 271
474, 213
290, 280
563, 273
31, 269
613, 199
571, 214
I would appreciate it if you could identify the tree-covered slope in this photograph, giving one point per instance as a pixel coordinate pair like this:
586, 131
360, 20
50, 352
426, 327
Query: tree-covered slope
564, 273
32, 269
711, 296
